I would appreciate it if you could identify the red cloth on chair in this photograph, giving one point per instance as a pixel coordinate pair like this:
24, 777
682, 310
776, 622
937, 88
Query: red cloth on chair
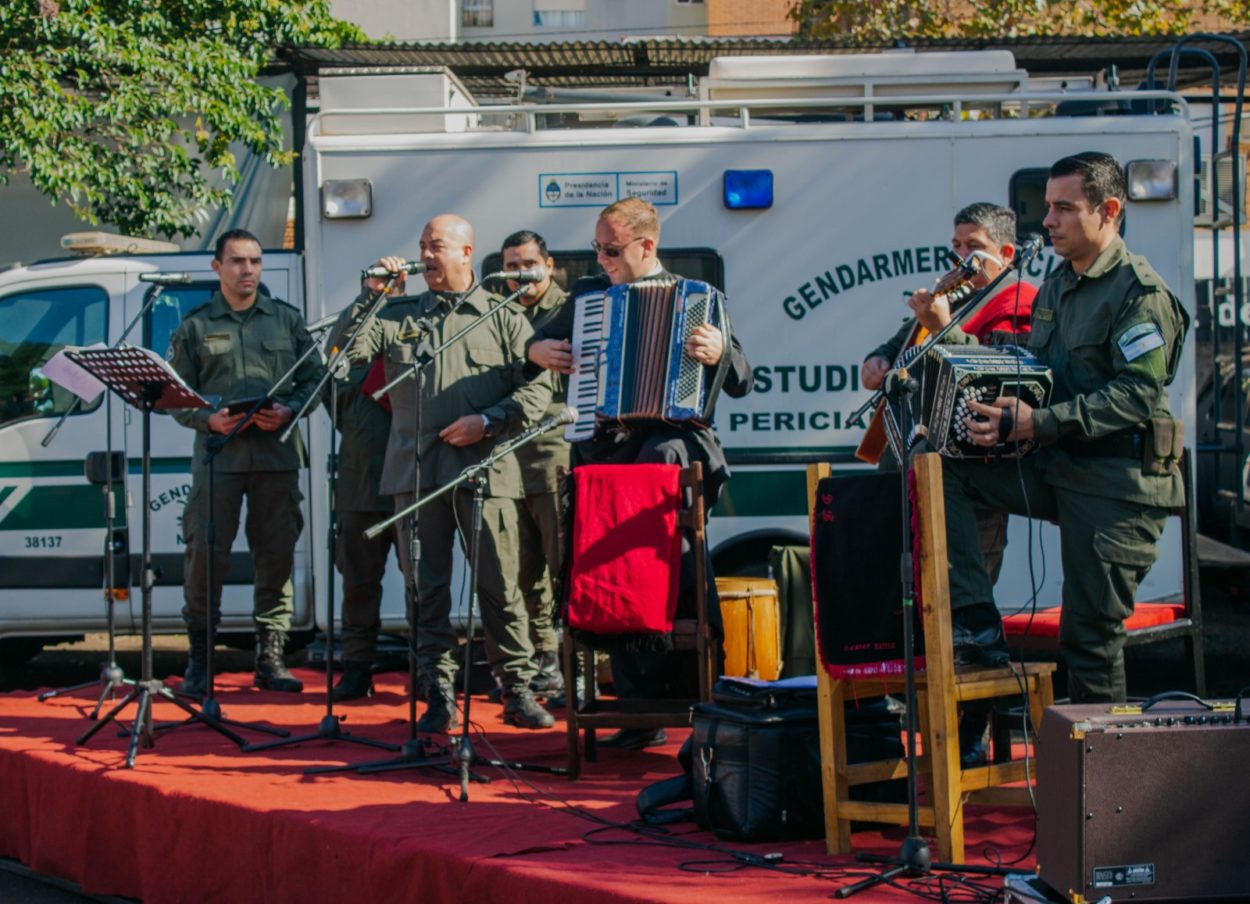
1046, 621
626, 553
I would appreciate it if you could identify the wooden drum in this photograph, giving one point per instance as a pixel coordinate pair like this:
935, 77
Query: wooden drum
752, 620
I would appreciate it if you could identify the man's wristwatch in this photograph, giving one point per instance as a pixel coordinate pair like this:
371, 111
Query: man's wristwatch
488, 426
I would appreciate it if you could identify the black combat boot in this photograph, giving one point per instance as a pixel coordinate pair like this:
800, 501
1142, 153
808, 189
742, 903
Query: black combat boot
521, 709
977, 634
355, 682
271, 671
549, 680
440, 710
195, 679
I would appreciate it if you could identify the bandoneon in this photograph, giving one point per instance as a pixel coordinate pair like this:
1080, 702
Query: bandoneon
629, 349
949, 377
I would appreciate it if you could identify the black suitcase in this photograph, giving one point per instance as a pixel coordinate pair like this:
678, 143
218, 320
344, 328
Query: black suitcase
755, 760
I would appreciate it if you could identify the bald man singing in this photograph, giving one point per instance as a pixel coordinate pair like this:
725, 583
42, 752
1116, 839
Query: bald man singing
447, 419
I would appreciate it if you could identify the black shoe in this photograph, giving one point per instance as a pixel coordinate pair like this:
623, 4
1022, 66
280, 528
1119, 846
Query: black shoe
271, 671
521, 709
977, 634
440, 711
973, 721
195, 679
549, 679
355, 682
636, 738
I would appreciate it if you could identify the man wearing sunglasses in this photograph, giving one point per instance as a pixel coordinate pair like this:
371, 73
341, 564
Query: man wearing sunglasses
627, 237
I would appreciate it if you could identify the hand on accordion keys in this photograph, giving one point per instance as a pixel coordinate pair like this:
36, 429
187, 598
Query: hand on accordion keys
706, 344
1008, 419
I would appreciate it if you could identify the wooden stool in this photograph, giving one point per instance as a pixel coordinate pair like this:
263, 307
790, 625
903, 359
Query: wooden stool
940, 689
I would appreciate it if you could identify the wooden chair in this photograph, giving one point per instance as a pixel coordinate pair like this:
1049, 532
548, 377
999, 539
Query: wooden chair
940, 690
1150, 622
695, 634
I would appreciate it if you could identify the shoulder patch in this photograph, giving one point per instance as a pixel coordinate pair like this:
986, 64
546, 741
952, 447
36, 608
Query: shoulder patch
1139, 339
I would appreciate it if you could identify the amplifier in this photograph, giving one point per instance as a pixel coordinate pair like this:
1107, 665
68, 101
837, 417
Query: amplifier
1144, 802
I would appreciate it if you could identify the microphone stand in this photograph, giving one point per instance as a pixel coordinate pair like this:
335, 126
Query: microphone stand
914, 858
330, 728
1027, 253
112, 677
475, 476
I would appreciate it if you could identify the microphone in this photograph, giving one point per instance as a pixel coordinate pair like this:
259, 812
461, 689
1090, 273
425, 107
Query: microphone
412, 268
1030, 247
566, 415
528, 275
166, 279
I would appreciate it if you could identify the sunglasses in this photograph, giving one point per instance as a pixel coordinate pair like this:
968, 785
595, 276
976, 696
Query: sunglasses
614, 250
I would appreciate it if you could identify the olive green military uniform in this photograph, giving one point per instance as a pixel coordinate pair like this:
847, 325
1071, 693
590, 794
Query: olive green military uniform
481, 374
541, 541
237, 355
364, 426
1112, 338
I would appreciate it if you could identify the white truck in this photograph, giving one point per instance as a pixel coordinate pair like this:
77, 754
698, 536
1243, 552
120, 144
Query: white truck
818, 191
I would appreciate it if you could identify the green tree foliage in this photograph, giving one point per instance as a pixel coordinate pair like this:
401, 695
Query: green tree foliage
120, 108
890, 20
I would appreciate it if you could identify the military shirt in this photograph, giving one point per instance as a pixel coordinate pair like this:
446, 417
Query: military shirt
540, 458
239, 354
1112, 337
482, 373
364, 426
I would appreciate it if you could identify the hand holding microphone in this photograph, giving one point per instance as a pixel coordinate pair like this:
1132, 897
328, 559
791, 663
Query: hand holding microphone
393, 269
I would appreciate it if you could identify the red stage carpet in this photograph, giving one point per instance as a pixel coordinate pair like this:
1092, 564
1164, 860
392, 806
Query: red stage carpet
198, 820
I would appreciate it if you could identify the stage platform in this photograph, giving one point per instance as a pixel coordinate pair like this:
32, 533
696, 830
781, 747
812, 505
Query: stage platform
199, 820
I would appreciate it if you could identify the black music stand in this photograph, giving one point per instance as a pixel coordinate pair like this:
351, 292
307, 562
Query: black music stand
144, 380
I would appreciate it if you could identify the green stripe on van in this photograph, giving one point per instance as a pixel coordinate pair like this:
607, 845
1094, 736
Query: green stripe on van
74, 467
56, 508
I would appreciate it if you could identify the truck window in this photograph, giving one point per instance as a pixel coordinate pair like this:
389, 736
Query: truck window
693, 263
34, 326
1027, 193
174, 304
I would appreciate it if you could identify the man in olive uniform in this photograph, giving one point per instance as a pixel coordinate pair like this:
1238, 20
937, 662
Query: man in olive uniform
236, 346
541, 539
444, 420
363, 426
1106, 472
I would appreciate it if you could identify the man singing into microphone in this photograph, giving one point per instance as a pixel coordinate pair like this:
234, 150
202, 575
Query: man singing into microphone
444, 419
1106, 472
627, 237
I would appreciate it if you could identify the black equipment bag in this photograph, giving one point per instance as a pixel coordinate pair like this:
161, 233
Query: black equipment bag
753, 763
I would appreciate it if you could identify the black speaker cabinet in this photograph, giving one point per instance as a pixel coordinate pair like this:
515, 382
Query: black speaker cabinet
1145, 804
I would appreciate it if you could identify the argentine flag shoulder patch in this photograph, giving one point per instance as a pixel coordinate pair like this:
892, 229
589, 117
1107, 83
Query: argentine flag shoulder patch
1139, 339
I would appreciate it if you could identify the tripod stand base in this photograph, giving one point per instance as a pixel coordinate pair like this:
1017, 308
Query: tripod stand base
111, 677
210, 710
141, 732
330, 729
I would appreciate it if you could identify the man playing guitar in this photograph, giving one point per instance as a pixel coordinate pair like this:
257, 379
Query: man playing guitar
985, 234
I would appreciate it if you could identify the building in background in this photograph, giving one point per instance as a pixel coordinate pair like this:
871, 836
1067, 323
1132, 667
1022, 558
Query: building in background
563, 20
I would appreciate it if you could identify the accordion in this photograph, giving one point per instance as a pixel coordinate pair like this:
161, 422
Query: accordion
949, 377
629, 350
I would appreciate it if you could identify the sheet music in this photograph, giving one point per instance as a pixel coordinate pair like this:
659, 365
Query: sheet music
69, 376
